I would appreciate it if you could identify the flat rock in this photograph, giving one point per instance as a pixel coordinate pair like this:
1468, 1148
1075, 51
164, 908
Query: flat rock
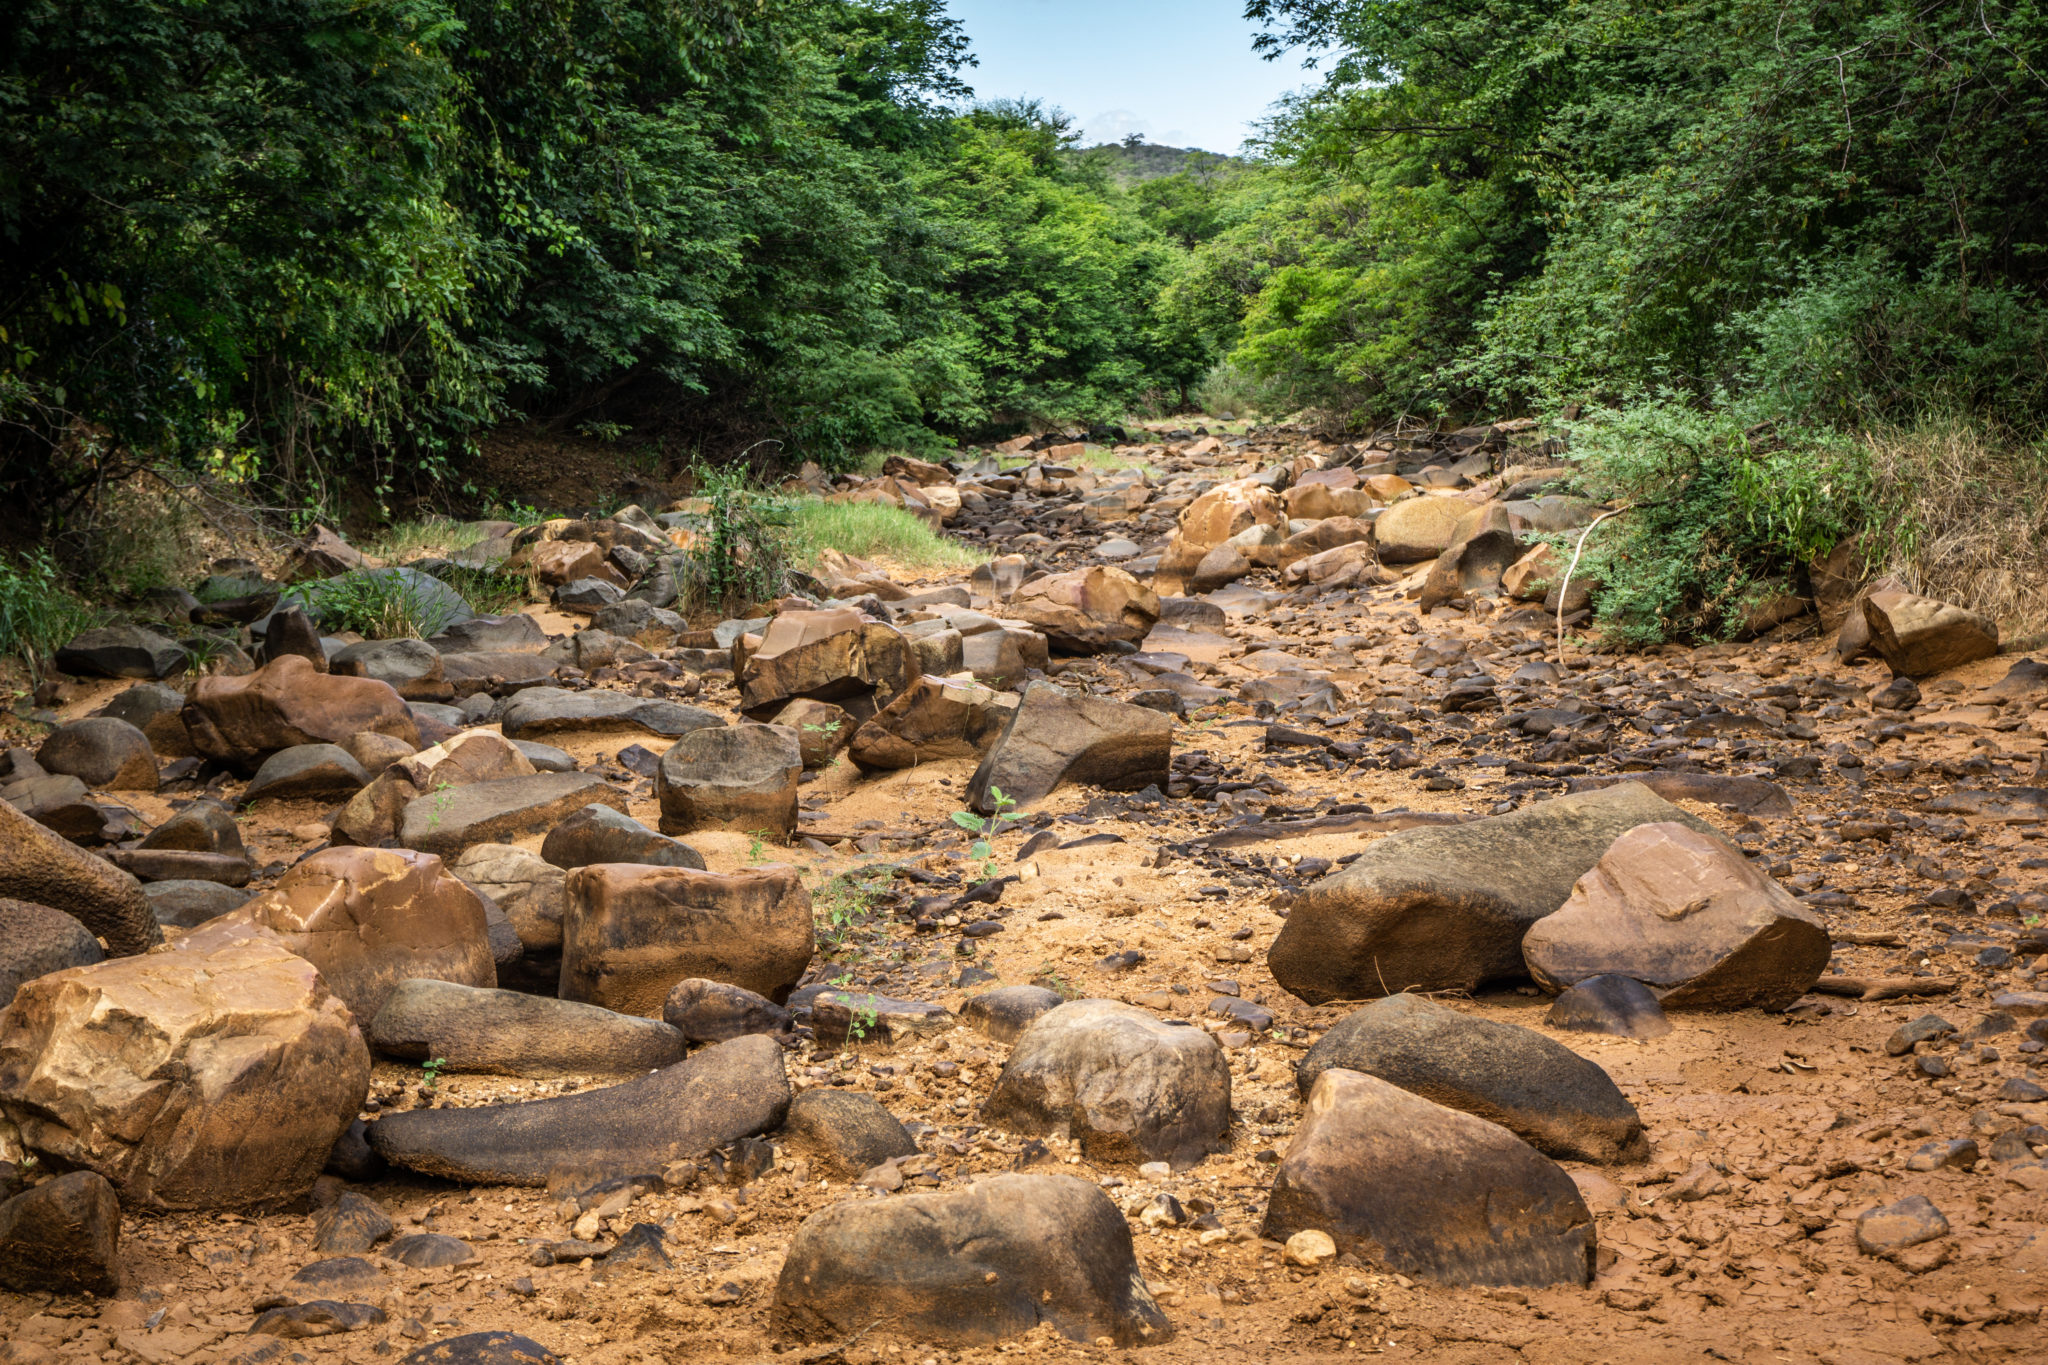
189, 904
240, 721
1085, 610
855, 1019
931, 719
1557, 1101
1919, 636
741, 777
1428, 1192
122, 652
1748, 795
715, 1098
1007, 1011
1054, 739
507, 1033
631, 933
600, 834
430, 1251
1619, 1005
412, 667
551, 710
450, 821
843, 1132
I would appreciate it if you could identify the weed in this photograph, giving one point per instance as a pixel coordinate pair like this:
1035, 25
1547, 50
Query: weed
830, 727
431, 1072
863, 1017
38, 614
986, 827
842, 905
204, 650
489, 592
757, 845
405, 540
745, 554
381, 604
1056, 981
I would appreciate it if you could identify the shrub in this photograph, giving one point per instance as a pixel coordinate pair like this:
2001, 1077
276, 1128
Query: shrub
380, 604
38, 614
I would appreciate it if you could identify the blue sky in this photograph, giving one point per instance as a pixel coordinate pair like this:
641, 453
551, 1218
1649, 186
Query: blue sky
1177, 72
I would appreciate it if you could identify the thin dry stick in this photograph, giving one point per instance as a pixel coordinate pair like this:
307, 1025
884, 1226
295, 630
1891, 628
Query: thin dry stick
1566, 587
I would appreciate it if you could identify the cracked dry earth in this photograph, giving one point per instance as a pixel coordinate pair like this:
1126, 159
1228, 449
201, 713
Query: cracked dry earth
1769, 1134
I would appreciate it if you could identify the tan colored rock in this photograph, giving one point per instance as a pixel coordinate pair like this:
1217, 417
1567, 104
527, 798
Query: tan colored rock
1416, 529
1314, 502
923, 473
1387, 487
632, 932
822, 730
215, 1075
375, 813
525, 886
1534, 574
838, 656
1689, 917
740, 777
1327, 534
935, 718
1919, 636
1347, 566
565, 561
1481, 551
1084, 610
1224, 511
944, 500
370, 918
240, 721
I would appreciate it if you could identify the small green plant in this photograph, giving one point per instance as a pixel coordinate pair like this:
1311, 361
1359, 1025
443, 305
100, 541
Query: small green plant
38, 614
841, 906
1054, 980
442, 796
830, 727
380, 604
489, 592
863, 1017
986, 827
757, 845
746, 551
430, 1072
203, 651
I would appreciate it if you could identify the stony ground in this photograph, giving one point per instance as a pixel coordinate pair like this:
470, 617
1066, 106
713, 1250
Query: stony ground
1769, 1134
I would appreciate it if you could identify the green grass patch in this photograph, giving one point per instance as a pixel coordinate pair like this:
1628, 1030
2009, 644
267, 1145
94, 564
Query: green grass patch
38, 614
869, 530
430, 535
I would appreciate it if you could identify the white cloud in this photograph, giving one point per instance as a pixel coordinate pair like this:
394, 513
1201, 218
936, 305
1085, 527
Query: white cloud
1115, 125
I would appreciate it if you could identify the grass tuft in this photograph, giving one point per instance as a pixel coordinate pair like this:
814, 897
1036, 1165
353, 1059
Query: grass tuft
38, 614
430, 535
869, 530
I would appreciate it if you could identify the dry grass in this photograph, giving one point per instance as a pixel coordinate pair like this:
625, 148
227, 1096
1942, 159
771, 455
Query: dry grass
1979, 521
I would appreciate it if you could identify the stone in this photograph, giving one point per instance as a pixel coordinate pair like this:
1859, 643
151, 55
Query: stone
1007, 1011
1428, 1192
1481, 551
515, 633
1219, 568
1555, 1100
1086, 610
822, 730
323, 553
62, 1237
42, 867
374, 814
483, 1348
706, 1011
507, 1033
639, 620
1353, 565
855, 1019
1222, 513
306, 772
122, 652
287, 631
1892, 1228
1618, 1005
212, 1075
550, 710
1053, 739
413, 668
187, 904
36, 940
240, 721
202, 827
600, 834
1328, 534
1531, 577
843, 1132
153, 865
350, 1226
630, 933
1919, 636
1004, 657
1445, 907
101, 752
377, 752
1927, 1028
1686, 915
447, 822
370, 918
837, 655
741, 777
681, 1112
589, 595
340, 1275
526, 887
1128, 1087
1000, 578
1419, 528
970, 1267
1309, 1248
155, 710
319, 1318
430, 1251
931, 719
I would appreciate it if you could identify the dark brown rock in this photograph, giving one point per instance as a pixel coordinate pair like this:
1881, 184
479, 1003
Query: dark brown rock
240, 721
101, 752
741, 777
62, 1237
507, 1033
632, 933
1053, 739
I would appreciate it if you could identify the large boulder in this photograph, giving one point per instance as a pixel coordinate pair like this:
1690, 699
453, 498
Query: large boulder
508, 1033
41, 866
1418, 528
1543, 1092
599, 834
101, 751
370, 918
931, 719
1686, 915
155, 710
217, 1074
838, 656
1127, 1086
1445, 907
1054, 738
447, 822
1425, 1191
525, 886
551, 710
36, 940
1223, 512
715, 1098
240, 721
1919, 636
741, 777
413, 668
631, 933
1087, 610
62, 1237
843, 1132
122, 652
971, 1267
1482, 549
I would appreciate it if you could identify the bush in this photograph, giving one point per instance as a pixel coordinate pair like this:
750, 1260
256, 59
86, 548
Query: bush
743, 555
38, 614
380, 604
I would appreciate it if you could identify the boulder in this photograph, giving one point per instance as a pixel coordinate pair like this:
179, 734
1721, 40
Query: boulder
189, 903
62, 1237
447, 822
843, 1132
1419, 528
931, 719
1327, 534
971, 1267
155, 710
377, 752
169, 865
122, 652
1481, 551
822, 730
1004, 657
1127, 1086
1546, 1094
1532, 577
1221, 513
482, 1348
1445, 907
1000, 578
516, 633
1053, 738
1893, 1228
240, 721
201, 827
1620, 1005
525, 886
838, 655
41, 866
217, 1074
370, 918
599, 834
374, 814
1919, 636
36, 940
717, 1012
323, 554
1429, 1192
631, 933
1087, 610
1007, 1011
288, 630
713, 1099
101, 751
550, 710
413, 668
1686, 915
741, 777
306, 772
507, 1033
1351, 565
